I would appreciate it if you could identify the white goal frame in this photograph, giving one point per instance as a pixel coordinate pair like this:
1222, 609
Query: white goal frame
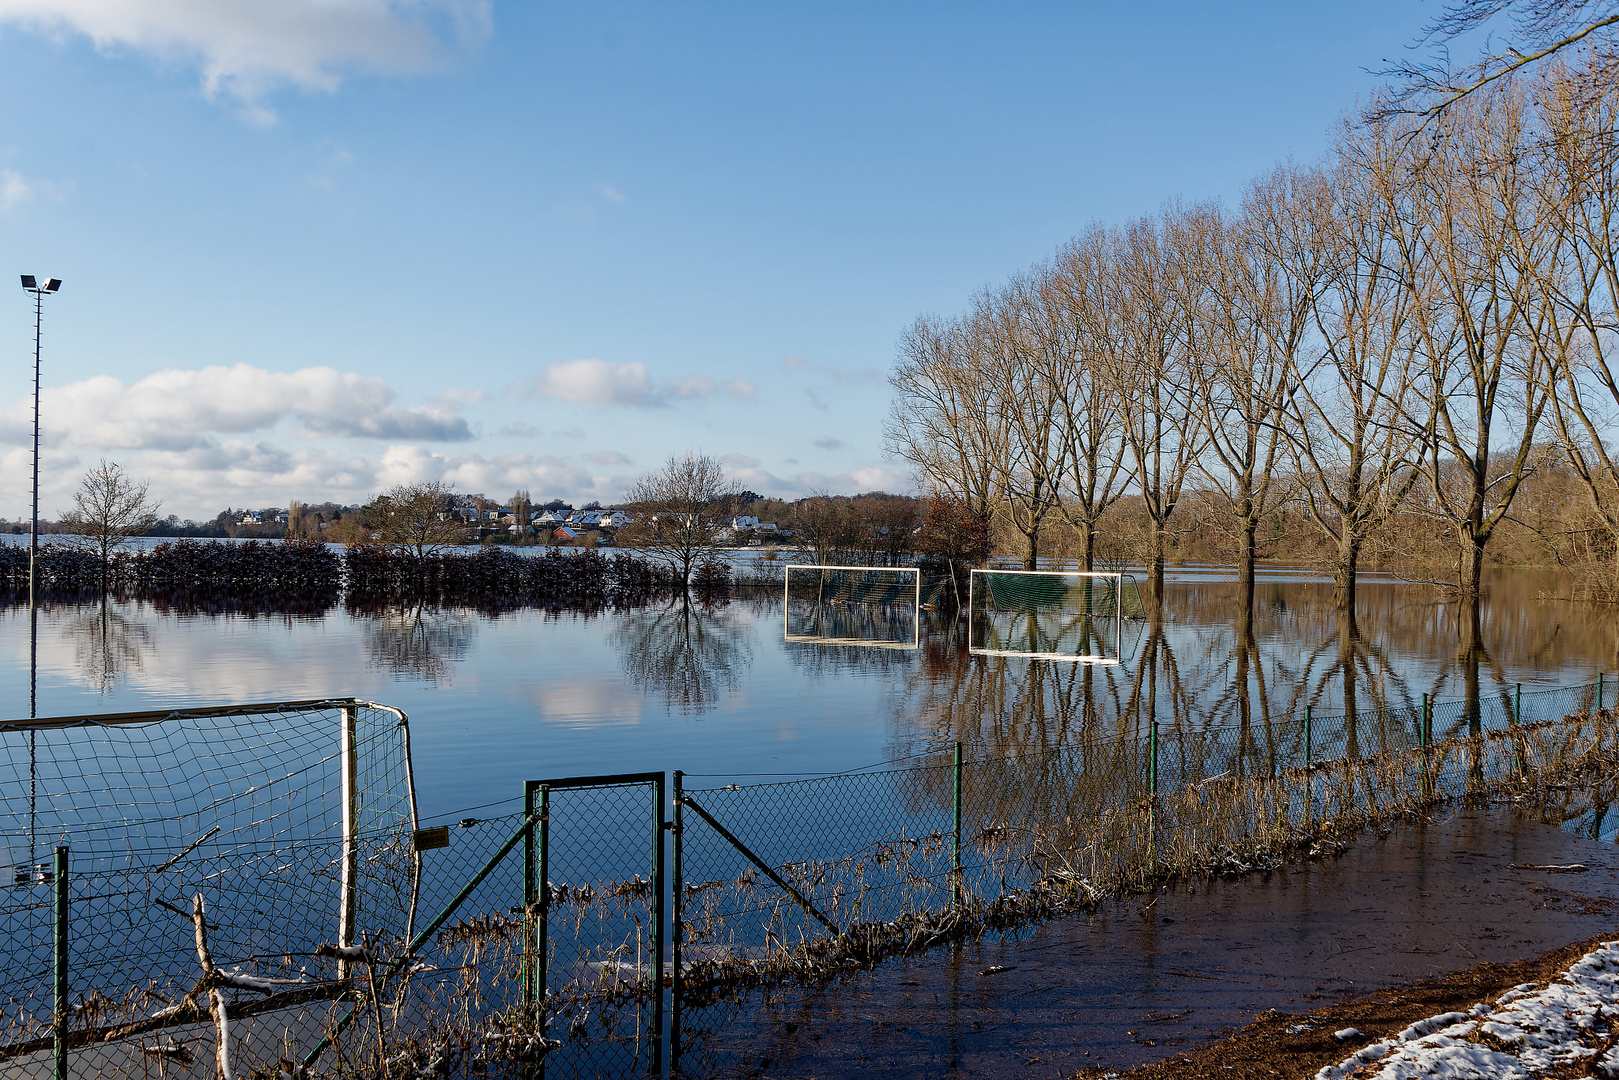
865, 643
1072, 658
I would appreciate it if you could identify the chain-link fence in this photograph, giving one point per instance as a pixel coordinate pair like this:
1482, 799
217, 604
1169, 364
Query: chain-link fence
255, 878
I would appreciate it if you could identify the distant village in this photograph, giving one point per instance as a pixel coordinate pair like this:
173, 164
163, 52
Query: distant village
514, 522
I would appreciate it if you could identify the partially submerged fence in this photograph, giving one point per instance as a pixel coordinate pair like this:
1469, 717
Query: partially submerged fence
612, 924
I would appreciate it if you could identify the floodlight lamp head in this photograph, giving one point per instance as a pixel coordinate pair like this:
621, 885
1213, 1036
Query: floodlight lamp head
52, 284
28, 282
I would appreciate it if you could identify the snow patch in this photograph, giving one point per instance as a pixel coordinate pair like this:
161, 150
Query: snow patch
1529, 1031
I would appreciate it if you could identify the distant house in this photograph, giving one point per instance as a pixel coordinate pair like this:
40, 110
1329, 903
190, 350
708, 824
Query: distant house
616, 519
465, 513
745, 523
252, 517
586, 519
566, 533
549, 517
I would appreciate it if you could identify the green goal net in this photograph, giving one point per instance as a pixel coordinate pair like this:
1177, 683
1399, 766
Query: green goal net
867, 606
1052, 614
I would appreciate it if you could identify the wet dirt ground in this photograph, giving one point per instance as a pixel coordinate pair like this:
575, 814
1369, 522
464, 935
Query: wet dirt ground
1149, 977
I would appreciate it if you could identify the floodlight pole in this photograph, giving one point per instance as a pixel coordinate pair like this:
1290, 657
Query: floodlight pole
32, 285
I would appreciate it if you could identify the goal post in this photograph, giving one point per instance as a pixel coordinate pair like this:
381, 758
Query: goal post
868, 606
1069, 615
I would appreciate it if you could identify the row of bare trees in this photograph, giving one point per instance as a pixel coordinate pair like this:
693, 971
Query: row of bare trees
1413, 325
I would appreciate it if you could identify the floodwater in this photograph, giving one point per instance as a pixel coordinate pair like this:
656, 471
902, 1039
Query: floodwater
722, 692
1148, 977
499, 697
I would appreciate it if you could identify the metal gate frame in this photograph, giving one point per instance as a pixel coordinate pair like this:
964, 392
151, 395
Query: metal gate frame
537, 894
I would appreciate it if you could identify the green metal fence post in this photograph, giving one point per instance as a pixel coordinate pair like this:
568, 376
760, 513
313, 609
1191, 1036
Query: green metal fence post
59, 1024
1599, 689
678, 892
955, 870
1309, 783
658, 878
1517, 704
1307, 738
542, 928
1152, 761
1426, 735
532, 993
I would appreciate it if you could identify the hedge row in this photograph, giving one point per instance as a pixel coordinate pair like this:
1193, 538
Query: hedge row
314, 573
580, 577
282, 564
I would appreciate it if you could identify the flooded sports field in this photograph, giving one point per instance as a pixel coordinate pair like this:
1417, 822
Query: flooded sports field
830, 917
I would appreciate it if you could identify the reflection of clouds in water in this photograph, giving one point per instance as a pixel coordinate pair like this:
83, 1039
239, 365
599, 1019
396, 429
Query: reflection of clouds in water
589, 703
210, 659
684, 655
418, 641
107, 646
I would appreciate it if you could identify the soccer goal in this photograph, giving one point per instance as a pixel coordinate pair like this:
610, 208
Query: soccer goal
293, 821
872, 607
1067, 615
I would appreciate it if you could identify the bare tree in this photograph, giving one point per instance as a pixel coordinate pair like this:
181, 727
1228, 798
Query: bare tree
1245, 334
1578, 181
828, 526
416, 518
108, 509
1081, 331
940, 419
1535, 31
1474, 239
678, 512
1350, 440
1152, 376
1017, 368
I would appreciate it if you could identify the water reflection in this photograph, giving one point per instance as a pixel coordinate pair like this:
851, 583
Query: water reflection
418, 640
684, 655
1208, 663
107, 645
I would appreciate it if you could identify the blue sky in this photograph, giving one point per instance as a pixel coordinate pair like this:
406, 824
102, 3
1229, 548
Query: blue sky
312, 248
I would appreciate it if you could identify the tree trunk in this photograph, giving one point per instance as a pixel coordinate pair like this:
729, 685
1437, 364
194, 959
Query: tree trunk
1087, 542
1245, 564
1031, 551
1155, 563
1343, 579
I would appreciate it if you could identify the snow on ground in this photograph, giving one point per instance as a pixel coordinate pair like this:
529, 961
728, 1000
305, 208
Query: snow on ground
1528, 1031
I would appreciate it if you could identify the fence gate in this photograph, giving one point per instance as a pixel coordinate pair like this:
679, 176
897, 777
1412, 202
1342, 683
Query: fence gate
594, 927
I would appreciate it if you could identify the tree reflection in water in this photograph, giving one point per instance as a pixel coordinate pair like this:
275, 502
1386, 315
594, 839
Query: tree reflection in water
684, 654
419, 640
1236, 681
107, 645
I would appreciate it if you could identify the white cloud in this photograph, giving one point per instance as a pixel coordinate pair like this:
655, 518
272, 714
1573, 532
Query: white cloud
853, 482
180, 409
14, 189
496, 476
519, 430
830, 443
593, 382
607, 457
598, 382
741, 461
244, 48
611, 194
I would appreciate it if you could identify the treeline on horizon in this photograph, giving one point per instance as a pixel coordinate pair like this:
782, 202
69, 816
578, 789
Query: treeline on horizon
1398, 355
